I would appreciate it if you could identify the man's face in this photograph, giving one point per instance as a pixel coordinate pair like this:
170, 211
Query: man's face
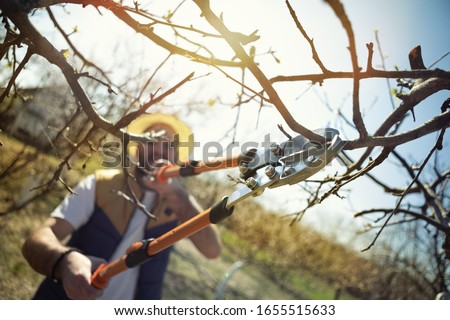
159, 152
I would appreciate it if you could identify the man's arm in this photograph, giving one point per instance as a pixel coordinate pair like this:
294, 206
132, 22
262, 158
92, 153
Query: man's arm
207, 240
43, 248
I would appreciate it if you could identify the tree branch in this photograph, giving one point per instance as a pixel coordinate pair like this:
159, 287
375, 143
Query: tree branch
414, 214
374, 73
248, 62
433, 125
46, 49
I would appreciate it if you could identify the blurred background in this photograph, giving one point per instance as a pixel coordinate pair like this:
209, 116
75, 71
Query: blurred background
277, 246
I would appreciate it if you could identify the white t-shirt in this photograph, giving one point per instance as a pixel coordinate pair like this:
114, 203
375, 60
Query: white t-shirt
77, 210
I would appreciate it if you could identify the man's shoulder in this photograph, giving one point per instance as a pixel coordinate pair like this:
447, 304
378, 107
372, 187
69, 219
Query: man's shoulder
108, 174
107, 180
115, 179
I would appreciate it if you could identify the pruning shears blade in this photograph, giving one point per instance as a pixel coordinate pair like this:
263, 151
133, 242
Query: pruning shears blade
291, 162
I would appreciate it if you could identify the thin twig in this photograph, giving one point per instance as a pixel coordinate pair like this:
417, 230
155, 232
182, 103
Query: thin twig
416, 215
127, 119
439, 59
121, 14
243, 85
369, 56
238, 103
348, 178
134, 199
302, 30
280, 126
383, 65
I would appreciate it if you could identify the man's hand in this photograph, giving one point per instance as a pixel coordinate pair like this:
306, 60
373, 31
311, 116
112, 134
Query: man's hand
75, 271
178, 199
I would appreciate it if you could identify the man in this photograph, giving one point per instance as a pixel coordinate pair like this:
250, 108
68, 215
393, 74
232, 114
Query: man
102, 224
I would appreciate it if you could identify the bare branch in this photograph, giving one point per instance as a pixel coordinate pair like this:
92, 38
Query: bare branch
369, 56
421, 91
256, 94
374, 73
414, 214
46, 49
433, 125
236, 45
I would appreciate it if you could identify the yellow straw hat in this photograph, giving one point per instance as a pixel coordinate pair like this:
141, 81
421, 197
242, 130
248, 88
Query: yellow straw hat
185, 136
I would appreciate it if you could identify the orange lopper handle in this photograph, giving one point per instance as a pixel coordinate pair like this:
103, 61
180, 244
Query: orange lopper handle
140, 252
192, 168
105, 271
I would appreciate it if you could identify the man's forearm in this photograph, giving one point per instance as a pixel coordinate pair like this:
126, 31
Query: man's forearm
207, 240
42, 249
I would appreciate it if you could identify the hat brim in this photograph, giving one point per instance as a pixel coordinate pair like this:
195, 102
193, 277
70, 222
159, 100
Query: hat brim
185, 137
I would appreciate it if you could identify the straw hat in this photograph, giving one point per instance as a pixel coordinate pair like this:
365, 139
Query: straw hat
185, 137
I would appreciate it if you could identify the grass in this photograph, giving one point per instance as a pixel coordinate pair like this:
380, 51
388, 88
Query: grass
191, 276
17, 280
297, 283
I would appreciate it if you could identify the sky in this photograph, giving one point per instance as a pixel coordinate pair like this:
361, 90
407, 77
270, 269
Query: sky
400, 25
